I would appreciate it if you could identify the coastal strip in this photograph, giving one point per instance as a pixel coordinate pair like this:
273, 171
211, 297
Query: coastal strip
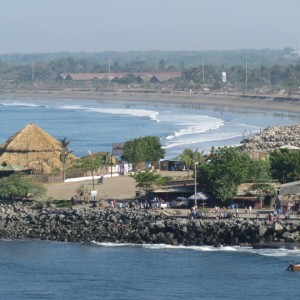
196, 99
19, 221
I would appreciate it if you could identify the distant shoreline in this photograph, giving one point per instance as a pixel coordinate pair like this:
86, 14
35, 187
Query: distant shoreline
221, 100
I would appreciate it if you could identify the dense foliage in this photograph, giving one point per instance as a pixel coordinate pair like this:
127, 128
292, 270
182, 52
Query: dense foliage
143, 149
285, 165
22, 187
265, 68
190, 158
147, 179
93, 162
225, 170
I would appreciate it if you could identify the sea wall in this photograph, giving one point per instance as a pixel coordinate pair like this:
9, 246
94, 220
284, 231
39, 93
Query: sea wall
133, 226
273, 137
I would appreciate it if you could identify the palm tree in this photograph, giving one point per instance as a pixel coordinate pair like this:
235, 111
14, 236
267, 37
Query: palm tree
65, 151
190, 158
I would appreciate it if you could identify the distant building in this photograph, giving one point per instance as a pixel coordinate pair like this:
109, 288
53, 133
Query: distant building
155, 77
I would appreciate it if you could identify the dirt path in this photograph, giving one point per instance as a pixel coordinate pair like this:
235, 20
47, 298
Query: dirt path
119, 187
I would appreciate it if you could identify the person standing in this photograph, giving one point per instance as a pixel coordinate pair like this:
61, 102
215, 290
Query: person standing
250, 209
237, 212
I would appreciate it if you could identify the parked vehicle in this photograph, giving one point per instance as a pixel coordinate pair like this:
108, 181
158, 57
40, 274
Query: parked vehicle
179, 202
155, 204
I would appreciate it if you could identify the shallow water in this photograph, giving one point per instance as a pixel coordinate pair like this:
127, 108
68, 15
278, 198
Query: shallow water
51, 270
95, 126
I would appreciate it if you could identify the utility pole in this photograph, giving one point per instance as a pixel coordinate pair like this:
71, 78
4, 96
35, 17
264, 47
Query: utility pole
246, 72
109, 69
203, 70
32, 70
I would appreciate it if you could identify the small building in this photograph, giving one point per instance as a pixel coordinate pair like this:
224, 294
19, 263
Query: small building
289, 196
175, 188
172, 165
33, 148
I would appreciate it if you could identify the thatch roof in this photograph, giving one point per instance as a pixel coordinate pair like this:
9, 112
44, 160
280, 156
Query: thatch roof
32, 147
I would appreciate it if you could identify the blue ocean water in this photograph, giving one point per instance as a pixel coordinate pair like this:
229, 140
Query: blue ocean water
52, 270
96, 125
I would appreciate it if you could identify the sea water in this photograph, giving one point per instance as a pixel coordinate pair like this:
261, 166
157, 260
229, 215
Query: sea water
53, 270
96, 125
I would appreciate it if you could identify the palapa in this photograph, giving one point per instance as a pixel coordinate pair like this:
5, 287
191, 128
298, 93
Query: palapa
32, 147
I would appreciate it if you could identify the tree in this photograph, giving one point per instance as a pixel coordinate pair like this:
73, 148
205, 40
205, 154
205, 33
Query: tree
162, 65
259, 175
226, 169
190, 157
143, 149
65, 151
148, 179
285, 165
21, 186
259, 171
83, 193
263, 191
92, 162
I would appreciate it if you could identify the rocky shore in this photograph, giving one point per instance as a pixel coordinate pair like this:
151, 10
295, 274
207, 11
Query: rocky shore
272, 138
19, 221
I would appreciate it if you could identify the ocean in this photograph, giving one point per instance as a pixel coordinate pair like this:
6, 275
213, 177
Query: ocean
96, 125
52, 270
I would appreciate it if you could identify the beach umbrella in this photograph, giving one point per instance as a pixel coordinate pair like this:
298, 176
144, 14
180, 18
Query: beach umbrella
199, 196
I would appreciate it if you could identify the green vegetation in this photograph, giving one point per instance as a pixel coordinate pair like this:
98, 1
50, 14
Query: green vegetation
65, 152
147, 179
225, 170
190, 158
268, 69
83, 193
143, 149
21, 187
285, 165
93, 162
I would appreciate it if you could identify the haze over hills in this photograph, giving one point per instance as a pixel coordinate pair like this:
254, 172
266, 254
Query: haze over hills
255, 58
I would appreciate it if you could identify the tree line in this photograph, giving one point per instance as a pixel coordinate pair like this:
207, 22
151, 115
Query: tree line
265, 68
218, 173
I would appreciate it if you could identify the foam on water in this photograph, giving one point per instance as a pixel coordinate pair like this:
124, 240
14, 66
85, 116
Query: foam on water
113, 244
28, 104
142, 113
281, 252
177, 127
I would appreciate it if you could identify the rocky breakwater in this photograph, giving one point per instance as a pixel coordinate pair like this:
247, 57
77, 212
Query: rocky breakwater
133, 226
273, 137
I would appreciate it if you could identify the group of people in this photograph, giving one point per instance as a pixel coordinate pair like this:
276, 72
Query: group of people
274, 217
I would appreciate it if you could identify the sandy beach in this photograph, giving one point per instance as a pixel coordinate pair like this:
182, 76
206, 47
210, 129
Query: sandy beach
220, 101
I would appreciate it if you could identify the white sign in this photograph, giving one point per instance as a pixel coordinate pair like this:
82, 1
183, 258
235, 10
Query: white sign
224, 77
94, 193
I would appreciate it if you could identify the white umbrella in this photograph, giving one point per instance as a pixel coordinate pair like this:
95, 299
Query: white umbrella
199, 196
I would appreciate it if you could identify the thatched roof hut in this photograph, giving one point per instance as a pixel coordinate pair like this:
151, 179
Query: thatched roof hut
32, 147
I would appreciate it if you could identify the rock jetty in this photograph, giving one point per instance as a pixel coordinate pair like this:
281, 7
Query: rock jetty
272, 138
133, 226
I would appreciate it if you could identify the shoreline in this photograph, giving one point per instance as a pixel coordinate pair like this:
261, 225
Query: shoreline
19, 221
217, 100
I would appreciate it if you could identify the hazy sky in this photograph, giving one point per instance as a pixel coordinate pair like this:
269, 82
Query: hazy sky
122, 25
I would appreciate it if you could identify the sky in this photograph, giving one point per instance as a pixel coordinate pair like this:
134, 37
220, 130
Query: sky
43, 26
